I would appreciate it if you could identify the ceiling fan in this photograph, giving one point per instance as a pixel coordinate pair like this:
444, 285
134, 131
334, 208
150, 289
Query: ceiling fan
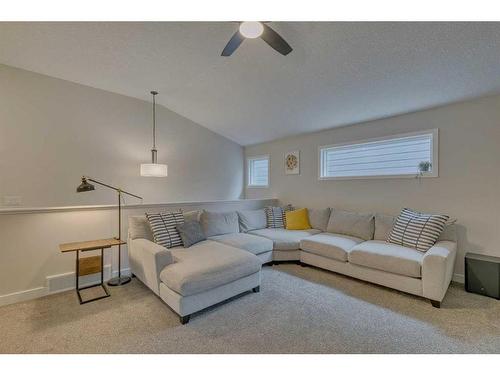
252, 30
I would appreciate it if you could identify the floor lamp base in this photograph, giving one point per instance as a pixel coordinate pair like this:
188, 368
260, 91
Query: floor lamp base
116, 281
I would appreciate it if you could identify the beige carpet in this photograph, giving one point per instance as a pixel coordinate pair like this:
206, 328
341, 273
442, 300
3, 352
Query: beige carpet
299, 310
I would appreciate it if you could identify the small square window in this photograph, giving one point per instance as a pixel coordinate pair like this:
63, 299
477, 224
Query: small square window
258, 171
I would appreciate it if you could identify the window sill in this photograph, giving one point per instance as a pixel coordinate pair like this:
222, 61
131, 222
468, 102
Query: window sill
404, 176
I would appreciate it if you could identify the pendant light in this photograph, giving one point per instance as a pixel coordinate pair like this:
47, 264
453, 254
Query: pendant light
154, 169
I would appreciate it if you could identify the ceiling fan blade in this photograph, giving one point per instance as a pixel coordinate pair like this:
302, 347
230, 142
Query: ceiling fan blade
233, 44
274, 39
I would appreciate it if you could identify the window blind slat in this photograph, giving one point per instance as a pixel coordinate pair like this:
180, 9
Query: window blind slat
410, 141
332, 153
422, 155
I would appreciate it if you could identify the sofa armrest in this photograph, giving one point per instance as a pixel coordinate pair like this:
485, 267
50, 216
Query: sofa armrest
437, 269
148, 259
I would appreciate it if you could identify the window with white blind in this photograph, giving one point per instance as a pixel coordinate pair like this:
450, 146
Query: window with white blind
395, 156
258, 171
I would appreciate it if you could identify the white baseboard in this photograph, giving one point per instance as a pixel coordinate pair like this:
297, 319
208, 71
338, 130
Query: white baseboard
57, 284
458, 278
23, 295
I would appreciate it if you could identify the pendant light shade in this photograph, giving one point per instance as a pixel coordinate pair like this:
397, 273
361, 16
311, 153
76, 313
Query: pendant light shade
154, 169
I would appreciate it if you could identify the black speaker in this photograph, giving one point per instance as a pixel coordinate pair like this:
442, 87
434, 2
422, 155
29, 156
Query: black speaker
482, 275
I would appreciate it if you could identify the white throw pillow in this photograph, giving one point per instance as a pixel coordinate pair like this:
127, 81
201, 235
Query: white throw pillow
276, 217
163, 226
417, 230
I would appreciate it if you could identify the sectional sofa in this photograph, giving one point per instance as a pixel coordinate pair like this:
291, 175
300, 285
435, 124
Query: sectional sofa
229, 262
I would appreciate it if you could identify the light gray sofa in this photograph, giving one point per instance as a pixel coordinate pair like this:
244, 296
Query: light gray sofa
228, 263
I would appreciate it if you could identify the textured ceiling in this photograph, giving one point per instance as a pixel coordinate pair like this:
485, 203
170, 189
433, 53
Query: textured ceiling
337, 74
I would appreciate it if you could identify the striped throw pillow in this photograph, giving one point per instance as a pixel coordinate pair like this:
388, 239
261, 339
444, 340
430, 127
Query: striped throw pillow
276, 216
417, 230
163, 226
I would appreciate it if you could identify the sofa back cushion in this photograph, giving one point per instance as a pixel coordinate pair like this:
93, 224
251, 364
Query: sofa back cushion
138, 227
217, 223
450, 231
252, 220
360, 225
383, 226
318, 218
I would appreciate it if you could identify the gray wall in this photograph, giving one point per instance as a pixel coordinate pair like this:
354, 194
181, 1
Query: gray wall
52, 131
467, 188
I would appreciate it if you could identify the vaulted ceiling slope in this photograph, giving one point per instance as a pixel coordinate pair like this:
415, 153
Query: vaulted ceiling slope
337, 73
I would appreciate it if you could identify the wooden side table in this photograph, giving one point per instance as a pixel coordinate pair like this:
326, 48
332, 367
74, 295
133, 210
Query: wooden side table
91, 265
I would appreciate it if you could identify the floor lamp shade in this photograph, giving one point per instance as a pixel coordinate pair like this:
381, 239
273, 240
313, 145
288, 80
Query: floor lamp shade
84, 186
154, 170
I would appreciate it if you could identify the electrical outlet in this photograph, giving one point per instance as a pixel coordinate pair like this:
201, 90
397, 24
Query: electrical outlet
12, 200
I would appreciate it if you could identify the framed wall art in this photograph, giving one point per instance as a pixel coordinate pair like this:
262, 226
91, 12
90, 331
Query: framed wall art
292, 162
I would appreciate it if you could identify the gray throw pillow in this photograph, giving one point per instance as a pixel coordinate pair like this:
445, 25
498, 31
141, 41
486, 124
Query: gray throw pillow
318, 217
360, 225
192, 215
191, 232
252, 219
217, 223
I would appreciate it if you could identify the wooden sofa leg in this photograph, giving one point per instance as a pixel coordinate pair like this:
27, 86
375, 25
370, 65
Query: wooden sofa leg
184, 319
436, 304
256, 289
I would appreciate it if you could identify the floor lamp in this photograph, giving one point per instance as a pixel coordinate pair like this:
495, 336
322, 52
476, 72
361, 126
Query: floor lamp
86, 186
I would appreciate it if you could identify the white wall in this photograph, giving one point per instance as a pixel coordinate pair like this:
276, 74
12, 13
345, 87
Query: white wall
468, 186
52, 131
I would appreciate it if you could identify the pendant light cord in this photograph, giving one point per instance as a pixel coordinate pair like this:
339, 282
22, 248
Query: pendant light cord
154, 119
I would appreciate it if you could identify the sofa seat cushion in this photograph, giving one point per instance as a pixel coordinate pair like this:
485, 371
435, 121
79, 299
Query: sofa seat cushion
388, 257
329, 245
207, 265
284, 239
254, 244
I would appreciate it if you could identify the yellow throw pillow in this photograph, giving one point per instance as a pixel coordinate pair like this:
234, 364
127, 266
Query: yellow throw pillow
298, 219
